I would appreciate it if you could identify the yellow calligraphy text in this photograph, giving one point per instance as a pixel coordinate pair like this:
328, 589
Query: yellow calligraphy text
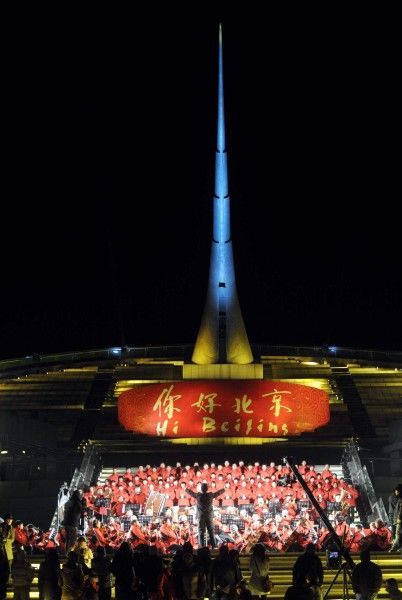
277, 402
242, 405
208, 424
206, 402
161, 428
166, 401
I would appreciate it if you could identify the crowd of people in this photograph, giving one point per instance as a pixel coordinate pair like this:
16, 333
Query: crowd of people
143, 574
146, 537
249, 503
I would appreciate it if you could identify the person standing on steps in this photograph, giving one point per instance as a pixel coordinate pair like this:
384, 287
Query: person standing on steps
397, 519
205, 512
73, 509
366, 578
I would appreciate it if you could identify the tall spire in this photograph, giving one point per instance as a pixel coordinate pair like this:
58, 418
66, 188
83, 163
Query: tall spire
222, 337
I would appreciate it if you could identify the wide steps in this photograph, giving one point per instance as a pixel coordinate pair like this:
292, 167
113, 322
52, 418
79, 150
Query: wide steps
281, 566
281, 573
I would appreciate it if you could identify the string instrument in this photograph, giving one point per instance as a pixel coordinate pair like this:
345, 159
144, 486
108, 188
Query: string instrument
274, 540
111, 534
250, 537
118, 538
292, 539
239, 542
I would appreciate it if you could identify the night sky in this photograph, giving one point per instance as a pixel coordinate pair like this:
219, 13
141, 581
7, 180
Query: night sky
108, 178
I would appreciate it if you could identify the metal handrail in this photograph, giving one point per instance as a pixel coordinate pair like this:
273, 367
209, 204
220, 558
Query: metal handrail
182, 350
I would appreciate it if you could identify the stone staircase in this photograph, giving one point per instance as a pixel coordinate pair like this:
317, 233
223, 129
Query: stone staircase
281, 574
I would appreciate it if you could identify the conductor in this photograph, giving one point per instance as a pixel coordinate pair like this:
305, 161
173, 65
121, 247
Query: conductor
205, 512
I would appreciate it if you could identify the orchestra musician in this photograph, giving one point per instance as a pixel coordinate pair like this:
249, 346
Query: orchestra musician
356, 538
96, 535
136, 535
381, 537
20, 534
342, 527
303, 530
168, 534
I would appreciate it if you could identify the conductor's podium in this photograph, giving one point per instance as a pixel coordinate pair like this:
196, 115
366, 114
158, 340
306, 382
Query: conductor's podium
281, 573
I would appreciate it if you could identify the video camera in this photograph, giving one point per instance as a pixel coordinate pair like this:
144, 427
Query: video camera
334, 559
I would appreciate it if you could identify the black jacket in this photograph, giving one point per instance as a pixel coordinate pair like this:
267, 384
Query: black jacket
308, 566
366, 578
392, 500
397, 514
73, 509
204, 500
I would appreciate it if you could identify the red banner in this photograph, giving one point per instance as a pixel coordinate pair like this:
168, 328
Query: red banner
223, 409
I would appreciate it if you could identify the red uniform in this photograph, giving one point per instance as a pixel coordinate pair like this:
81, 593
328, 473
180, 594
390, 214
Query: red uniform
138, 498
168, 534
136, 533
355, 541
100, 537
383, 537
21, 536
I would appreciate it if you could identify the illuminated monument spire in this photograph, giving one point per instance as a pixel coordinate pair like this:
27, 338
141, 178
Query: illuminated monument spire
222, 337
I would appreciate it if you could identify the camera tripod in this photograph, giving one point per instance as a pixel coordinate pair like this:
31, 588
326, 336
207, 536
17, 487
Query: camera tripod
344, 569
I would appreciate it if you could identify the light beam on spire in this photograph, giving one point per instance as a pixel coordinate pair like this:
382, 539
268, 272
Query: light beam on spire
222, 337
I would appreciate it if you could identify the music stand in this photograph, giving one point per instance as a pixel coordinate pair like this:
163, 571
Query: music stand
345, 574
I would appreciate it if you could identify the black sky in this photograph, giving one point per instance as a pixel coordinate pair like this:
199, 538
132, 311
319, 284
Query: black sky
108, 178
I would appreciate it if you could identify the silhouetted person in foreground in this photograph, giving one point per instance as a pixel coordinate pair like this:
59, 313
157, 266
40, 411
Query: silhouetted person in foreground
103, 568
71, 578
224, 575
48, 577
205, 512
259, 567
123, 570
300, 591
7, 537
309, 566
4, 572
391, 585
366, 577
22, 574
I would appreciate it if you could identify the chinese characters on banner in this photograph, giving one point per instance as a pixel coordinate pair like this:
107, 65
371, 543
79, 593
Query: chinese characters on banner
223, 409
